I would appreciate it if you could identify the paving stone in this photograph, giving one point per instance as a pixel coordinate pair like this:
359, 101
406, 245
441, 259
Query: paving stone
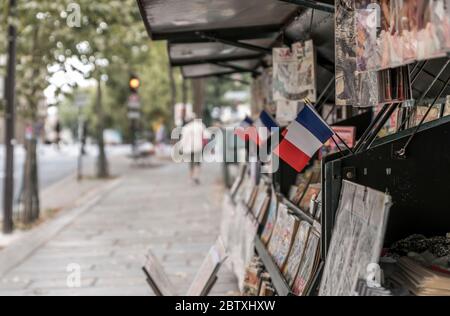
155, 209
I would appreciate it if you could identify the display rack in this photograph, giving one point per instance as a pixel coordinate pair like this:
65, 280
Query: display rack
278, 279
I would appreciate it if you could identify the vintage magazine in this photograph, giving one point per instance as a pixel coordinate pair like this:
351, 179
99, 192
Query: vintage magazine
294, 76
357, 238
282, 237
308, 265
306, 71
272, 214
284, 74
297, 251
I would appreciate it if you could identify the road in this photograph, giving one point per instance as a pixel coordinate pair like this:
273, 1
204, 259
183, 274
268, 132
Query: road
54, 165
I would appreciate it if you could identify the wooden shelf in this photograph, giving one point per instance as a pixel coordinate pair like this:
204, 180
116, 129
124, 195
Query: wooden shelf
278, 280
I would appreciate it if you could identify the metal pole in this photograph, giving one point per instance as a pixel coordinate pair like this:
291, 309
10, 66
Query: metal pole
10, 85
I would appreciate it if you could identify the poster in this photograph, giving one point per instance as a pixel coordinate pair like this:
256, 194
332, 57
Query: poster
345, 46
357, 238
366, 30
294, 77
306, 70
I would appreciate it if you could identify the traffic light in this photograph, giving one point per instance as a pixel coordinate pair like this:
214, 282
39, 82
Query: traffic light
135, 83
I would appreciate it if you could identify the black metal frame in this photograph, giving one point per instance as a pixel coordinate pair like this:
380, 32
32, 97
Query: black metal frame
317, 5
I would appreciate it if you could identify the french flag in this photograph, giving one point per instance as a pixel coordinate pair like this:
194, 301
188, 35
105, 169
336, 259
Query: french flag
242, 131
264, 127
304, 137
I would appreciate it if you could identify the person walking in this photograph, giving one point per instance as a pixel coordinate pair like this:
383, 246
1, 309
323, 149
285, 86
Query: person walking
193, 136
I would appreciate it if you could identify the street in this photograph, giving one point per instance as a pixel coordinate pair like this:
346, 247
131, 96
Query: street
54, 165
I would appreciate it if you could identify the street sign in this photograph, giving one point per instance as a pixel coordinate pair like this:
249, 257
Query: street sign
81, 100
133, 115
134, 102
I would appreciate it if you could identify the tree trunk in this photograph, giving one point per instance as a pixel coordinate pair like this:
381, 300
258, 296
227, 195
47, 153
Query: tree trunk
173, 94
198, 89
30, 192
30, 187
102, 162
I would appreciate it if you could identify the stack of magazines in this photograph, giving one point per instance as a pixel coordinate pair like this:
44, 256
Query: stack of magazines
421, 280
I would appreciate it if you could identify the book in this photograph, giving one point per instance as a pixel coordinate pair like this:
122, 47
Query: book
308, 265
283, 235
270, 219
296, 255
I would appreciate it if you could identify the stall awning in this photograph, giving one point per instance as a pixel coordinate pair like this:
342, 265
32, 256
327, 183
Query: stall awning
219, 68
237, 19
182, 54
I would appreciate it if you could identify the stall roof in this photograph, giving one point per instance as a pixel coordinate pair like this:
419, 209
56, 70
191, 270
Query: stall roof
219, 69
182, 54
237, 19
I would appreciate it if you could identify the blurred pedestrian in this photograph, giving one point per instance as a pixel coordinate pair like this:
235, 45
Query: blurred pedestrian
193, 137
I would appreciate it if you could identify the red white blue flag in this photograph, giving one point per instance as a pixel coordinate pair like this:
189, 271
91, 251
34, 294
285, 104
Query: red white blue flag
304, 137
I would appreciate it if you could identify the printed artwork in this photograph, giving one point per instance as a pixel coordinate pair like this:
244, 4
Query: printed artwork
391, 33
306, 70
308, 265
366, 30
294, 77
283, 233
271, 219
297, 251
357, 238
345, 52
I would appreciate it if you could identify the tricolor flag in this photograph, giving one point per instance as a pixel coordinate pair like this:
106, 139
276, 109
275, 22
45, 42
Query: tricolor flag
304, 137
242, 131
264, 127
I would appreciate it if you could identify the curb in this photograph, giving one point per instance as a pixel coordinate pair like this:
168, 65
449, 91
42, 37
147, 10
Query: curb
18, 251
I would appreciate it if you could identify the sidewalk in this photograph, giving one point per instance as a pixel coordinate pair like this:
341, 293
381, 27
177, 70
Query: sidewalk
109, 236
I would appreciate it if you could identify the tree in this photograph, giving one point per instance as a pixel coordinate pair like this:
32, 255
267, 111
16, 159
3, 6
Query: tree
106, 35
